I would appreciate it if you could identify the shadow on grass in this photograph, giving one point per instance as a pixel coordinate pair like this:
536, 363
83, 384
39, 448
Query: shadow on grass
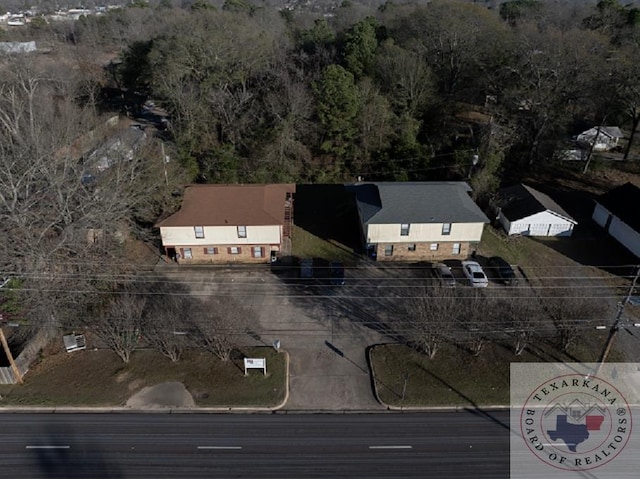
375, 380
475, 409
329, 212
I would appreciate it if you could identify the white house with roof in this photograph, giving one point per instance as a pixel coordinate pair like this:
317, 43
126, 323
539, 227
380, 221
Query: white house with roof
411, 221
618, 212
229, 224
523, 210
603, 138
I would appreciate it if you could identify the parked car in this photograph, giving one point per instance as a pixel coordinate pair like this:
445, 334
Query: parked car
336, 273
503, 270
306, 268
473, 271
443, 273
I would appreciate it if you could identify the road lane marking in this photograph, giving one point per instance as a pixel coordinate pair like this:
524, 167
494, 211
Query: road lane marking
390, 447
219, 447
47, 447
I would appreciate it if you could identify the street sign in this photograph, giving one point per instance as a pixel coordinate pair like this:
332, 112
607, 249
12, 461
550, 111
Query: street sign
255, 363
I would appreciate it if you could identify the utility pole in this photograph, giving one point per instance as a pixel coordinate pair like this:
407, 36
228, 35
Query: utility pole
616, 323
404, 389
5, 345
7, 351
591, 147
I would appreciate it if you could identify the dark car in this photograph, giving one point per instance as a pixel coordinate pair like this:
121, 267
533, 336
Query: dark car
503, 270
306, 268
442, 272
336, 273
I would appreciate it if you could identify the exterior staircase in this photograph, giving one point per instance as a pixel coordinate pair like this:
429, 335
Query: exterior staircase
287, 226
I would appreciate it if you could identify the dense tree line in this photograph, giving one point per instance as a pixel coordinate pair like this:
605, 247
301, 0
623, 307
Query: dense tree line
260, 95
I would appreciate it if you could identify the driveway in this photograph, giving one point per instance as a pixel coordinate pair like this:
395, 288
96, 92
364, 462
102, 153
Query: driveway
328, 367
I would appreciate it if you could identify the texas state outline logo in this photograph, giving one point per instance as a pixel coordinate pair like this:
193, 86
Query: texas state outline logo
576, 422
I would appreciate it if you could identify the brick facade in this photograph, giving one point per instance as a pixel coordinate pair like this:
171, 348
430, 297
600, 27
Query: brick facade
222, 254
423, 251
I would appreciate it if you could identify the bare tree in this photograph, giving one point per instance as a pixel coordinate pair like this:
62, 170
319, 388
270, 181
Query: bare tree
574, 311
522, 318
220, 325
118, 326
431, 317
475, 323
62, 221
167, 323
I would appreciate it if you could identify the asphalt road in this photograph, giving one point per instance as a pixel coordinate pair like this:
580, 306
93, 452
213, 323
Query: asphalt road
181, 446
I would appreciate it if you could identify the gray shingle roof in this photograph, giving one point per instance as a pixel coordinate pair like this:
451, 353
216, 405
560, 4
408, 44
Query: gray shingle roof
417, 202
521, 201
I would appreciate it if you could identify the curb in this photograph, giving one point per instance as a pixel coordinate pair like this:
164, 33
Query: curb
458, 408
286, 382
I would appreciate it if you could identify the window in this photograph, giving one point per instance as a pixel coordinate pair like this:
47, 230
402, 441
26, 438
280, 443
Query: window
257, 252
211, 250
187, 253
199, 231
242, 231
433, 247
404, 230
446, 228
412, 247
388, 250
456, 248
234, 250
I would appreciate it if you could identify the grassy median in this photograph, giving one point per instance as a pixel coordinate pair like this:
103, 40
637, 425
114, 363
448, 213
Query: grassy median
100, 378
404, 377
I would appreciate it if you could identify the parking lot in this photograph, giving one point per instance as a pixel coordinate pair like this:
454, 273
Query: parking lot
328, 366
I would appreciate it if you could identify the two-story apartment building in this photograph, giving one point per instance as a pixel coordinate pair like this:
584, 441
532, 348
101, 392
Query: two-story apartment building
412, 221
229, 223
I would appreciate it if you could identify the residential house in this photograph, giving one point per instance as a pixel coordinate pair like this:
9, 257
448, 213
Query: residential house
17, 47
229, 223
120, 147
522, 210
418, 220
603, 138
618, 213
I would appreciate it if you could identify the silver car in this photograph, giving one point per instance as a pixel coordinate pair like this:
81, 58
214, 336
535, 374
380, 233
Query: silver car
473, 271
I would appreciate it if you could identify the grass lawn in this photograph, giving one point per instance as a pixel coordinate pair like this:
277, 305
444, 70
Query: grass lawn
100, 378
307, 245
521, 250
455, 377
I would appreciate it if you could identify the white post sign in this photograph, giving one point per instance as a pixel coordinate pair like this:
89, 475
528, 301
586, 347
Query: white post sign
255, 363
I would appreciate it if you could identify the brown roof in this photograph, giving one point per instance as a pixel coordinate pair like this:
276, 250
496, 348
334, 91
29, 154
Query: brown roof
230, 205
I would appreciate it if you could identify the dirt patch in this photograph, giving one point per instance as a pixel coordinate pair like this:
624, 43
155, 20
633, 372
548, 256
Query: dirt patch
135, 384
122, 377
165, 395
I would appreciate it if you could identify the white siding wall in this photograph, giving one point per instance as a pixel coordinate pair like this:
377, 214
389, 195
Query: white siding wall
224, 235
541, 224
505, 224
424, 232
600, 215
625, 235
